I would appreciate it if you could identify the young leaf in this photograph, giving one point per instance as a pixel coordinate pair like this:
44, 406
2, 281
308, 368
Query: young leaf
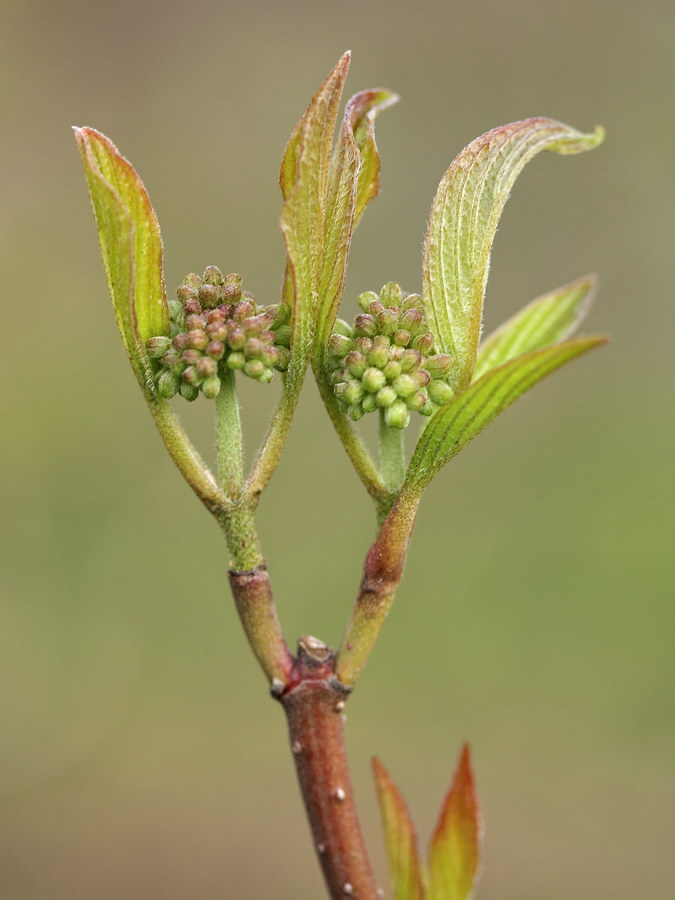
455, 845
131, 247
547, 320
304, 183
462, 225
400, 838
456, 423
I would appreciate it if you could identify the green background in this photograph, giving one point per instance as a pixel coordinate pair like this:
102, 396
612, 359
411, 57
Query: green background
139, 754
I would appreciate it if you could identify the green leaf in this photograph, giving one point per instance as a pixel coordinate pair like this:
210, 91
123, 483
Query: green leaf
354, 182
463, 222
547, 320
304, 185
400, 838
456, 423
131, 246
455, 845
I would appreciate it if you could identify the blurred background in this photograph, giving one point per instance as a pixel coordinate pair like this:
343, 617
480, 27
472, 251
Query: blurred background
139, 754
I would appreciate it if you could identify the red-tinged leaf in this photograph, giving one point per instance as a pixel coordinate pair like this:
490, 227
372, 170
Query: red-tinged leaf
455, 424
131, 247
463, 222
400, 838
455, 846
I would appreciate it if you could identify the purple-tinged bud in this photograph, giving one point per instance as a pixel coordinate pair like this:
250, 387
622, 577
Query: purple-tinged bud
254, 348
356, 363
193, 308
416, 401
252, 326
373, 379
440, 392
412, 301
213, 275
193, 280
180, 342
171, 358
207, 367
236, 337
339, 345
195, 323
232, 288
386, 396
392, 370
235, 361
267, 337
402, 337
388, 321
375, 308
355, 412
439, 365
405, 385
191, 375
363, 345
364, 300
210, 295
422, 377
243, 310
390, 294
167, 384
269, 356
216, 349
191, 357
410, 360
397, 415
211, 387
412, 320
157, 346
197, 340
353, 392
423, 342
217, 331
365, 326
254, 368
283, 359
189, 391
186, 292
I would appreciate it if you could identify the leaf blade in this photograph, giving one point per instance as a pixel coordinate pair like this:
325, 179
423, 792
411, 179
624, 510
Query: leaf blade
463, 222
469, 412
400, 838
131, 247
455, 845
547, 320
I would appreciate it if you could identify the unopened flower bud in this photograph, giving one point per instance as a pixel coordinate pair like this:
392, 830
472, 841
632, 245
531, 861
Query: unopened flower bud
254, 348
157, 346
397, 415
168, 384
175, 308
402, 337
193, 307
210, 295
427, 409
363, 345
378, 356
254, 368
339, 345
236, 360
405, 385
390, 295
423, 342
207, 367
186, 292
356, 363
243, 310
191, 375
213, 275
438, 366
170, 358
180, 342
392, 370
236, 338
197, 340
412, 319
364, 300
266, 376
353, 392
369, 403
284, 335
189, 391
342, 327
191, 357
386, 396
422, 377
373, 379
417, 401
355, 412
195, 323
232, 288
410, 359
365, 325
412, 301
283, 359
439, 392
387, 321
211, 387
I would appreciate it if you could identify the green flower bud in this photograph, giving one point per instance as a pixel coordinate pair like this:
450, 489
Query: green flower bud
364, 300
397, 415
405, 386
266, 376
355, 412
378, 357
339, 345
254, 368
157, 346
180, 342
427, 409
392, 370
365, 326
284, 336
402, 337
386, 396
423, 342
211, 387
438, 366
168, 384
390, 294
213, 275
373, 379
376, 308
353, 392
417, 401
355, 363
236, 337
171, 358
189, 391
193, 280
236, 360
254, 348
410, 360
176, 307
412, 301
342, 327
191, 376
363, 345
412, 320
232, 288
439, 392
387, 321
369, 403
283, 358
422, 377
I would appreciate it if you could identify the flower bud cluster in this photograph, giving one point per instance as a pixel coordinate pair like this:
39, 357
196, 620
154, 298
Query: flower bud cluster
216, 328
386, 359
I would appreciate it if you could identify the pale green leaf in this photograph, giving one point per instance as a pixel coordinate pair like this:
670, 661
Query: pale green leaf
462, 225
547, 320
456, 423
400, 838
455, 845
131, 247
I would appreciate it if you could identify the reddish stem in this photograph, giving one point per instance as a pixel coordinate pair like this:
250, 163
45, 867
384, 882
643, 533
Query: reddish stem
313, 700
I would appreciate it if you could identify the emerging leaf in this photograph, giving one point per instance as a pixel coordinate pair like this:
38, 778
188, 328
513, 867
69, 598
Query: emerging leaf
462, 225
547, 320
400, 838
455, 845
131, 246
455, 424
